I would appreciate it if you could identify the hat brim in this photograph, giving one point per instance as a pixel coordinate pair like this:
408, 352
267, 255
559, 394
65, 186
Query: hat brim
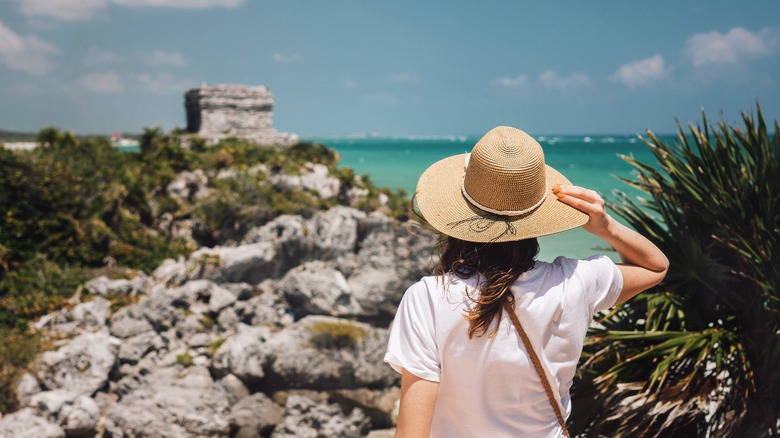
443, 206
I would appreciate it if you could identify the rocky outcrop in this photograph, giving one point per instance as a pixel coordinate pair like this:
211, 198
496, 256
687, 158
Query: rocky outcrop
281, 335
216, 112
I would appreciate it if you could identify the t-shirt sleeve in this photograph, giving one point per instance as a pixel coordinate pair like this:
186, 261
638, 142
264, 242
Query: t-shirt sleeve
603, 281
412, 343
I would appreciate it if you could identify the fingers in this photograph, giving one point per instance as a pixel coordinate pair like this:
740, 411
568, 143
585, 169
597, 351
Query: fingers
567, 191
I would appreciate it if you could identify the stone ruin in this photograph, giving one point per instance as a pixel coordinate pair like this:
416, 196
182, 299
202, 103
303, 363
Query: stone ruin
216, 112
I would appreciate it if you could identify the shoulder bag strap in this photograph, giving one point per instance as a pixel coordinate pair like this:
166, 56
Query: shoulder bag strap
537, 364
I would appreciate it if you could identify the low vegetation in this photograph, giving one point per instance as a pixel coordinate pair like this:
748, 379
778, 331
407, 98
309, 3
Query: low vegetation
697, 355
335, 335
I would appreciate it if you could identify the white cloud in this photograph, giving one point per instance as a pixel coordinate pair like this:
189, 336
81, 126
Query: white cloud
517, 82
98, 56
85, 9
404, 77
24, 53
551, 79
285, 58
183, 4
101, 82
61, 9
159, 57
736, 45
643, 71
163, 83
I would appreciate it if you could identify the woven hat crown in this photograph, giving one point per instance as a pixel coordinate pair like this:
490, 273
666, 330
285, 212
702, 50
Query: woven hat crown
506, 173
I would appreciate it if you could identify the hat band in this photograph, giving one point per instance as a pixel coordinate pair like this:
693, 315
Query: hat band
501, 212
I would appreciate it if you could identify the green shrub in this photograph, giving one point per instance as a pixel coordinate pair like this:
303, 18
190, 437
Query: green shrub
697, 355
335, 335
184, 359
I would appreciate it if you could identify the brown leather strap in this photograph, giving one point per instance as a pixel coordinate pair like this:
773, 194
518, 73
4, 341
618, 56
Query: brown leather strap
537, 364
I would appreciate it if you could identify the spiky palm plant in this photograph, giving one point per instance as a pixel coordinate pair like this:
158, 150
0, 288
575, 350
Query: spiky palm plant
699, 355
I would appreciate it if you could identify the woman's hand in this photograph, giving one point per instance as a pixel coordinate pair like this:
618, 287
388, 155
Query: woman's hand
644, 265
588, 202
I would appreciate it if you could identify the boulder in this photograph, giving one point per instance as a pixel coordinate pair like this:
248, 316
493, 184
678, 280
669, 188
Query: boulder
327, 353
188, 186
77, 414
378, 405
315, 288
254, 416
306, 418
244, 354
171, 402
81, 366
25, 423
104, 286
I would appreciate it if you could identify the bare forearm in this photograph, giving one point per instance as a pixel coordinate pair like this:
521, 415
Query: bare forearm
633, 248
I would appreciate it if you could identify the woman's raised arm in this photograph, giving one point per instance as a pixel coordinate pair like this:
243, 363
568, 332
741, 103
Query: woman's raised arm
644, 265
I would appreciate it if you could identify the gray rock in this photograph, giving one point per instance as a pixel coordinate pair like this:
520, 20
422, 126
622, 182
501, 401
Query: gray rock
228, 319
250, 263
27, 387
171, 272
188, 186
244, 354
104, 286
81, 366
24, 423
327, 353
49, 404
234, 388
170, 402
314, 288
132, 349
378, 405
305, 418
220, 298
80, 419
129, 321
92, 313
254, 416
76, 414
316, 179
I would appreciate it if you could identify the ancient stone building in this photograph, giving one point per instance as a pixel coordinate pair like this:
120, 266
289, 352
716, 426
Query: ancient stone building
221, 111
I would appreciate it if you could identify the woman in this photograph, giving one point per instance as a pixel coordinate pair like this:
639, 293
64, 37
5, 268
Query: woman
468, 371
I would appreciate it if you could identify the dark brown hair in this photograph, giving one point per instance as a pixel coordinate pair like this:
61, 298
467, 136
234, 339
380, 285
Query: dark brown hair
498, 265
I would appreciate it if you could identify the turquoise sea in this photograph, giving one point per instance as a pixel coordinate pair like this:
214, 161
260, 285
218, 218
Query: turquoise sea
589, 161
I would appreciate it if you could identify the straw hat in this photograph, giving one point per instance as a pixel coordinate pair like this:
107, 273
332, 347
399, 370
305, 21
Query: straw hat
500, 192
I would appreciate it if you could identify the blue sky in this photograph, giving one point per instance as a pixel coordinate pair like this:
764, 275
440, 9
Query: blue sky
394, 68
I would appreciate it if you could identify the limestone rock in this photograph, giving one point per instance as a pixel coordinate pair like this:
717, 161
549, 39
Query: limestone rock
305, 418
104, 286
171, 403
244, 354
314, 288
77, 414
188, 186
379, 405
24, 423
254, 416
316, 179
327, 353
81, 366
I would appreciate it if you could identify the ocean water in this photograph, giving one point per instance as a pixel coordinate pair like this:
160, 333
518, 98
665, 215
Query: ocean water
588, 161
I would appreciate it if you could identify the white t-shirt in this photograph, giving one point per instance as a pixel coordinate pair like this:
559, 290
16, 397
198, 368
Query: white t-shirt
488, 385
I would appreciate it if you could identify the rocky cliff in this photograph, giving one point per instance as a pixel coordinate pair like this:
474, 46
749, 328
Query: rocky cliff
282, 335
216, 112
